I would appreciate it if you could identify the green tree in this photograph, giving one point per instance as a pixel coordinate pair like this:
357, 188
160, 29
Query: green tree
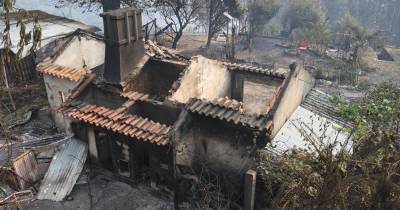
260, 13
352, 37
304, 14
379, 111
318, 35
358, 174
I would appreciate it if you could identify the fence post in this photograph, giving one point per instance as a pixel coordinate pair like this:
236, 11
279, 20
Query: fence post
249, 189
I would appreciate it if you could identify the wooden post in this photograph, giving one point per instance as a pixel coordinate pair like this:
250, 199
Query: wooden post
94, 156
249, 189
3, 67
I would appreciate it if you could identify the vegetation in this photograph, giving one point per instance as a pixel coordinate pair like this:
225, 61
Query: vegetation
216, 19
26, 37
303, 14
94, 5
180, 13
260, 13
381, 15
378, 112
361, 173
352, 37
305, 20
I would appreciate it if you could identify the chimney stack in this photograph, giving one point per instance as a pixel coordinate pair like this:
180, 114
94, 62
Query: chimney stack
125, 53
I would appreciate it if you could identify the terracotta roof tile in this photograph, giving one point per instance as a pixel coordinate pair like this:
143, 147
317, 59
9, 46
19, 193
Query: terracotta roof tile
120, 122
254, 69
230, 111
135, 96
63, 72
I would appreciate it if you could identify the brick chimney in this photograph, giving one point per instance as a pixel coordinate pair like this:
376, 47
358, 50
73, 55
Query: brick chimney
125, 53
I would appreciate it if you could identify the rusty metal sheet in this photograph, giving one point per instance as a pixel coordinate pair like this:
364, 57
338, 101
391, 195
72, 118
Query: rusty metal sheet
27, 169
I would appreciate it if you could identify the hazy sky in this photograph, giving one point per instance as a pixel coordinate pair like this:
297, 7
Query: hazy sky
73, 12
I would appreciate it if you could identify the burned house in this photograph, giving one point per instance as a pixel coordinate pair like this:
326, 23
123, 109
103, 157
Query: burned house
67, 62
151, 114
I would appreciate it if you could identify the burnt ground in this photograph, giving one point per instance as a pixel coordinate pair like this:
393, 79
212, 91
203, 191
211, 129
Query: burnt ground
270, 51
106, 193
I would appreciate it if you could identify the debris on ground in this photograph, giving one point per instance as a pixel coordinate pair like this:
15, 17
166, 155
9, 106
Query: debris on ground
64, 171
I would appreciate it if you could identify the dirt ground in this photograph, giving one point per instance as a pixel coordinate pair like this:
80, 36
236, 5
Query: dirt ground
105, 193
270, 51
384, 70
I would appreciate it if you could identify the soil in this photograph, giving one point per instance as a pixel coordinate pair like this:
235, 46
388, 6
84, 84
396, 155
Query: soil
106, 193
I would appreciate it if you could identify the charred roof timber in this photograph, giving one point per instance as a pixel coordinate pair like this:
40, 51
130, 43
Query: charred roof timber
125, 50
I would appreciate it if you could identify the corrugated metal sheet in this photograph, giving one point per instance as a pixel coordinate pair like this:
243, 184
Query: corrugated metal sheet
303, 123
236, 116
254, 69
120, 122
320, 103
27, 169
64, 72
63, 171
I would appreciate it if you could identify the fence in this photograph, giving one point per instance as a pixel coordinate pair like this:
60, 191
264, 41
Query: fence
18, 71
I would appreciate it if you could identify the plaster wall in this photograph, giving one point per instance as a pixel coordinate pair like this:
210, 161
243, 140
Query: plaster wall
299, 84
225, 150
205, 79
54, 88
255, 91
82, 52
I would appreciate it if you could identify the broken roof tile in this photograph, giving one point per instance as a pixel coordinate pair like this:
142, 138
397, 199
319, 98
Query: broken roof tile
135, 96
233, 114
254, 69
63, 72
120, 122
228, 103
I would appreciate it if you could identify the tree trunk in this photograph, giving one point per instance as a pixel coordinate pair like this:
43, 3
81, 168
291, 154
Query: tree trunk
110, 5
210, 23
176, 39
209, 37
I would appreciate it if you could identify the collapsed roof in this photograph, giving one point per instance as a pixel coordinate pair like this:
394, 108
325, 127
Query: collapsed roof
143, 98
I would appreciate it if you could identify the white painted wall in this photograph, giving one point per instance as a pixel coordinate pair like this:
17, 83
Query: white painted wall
204, 79
81, 51
53, 87
300, 83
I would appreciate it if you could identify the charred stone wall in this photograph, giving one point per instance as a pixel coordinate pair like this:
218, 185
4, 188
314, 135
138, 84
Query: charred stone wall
204, 78
255, 91
156, 78
219, 147
156, 111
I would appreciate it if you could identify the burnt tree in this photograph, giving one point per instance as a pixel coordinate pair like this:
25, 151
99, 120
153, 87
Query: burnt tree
216, 18
178, 12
